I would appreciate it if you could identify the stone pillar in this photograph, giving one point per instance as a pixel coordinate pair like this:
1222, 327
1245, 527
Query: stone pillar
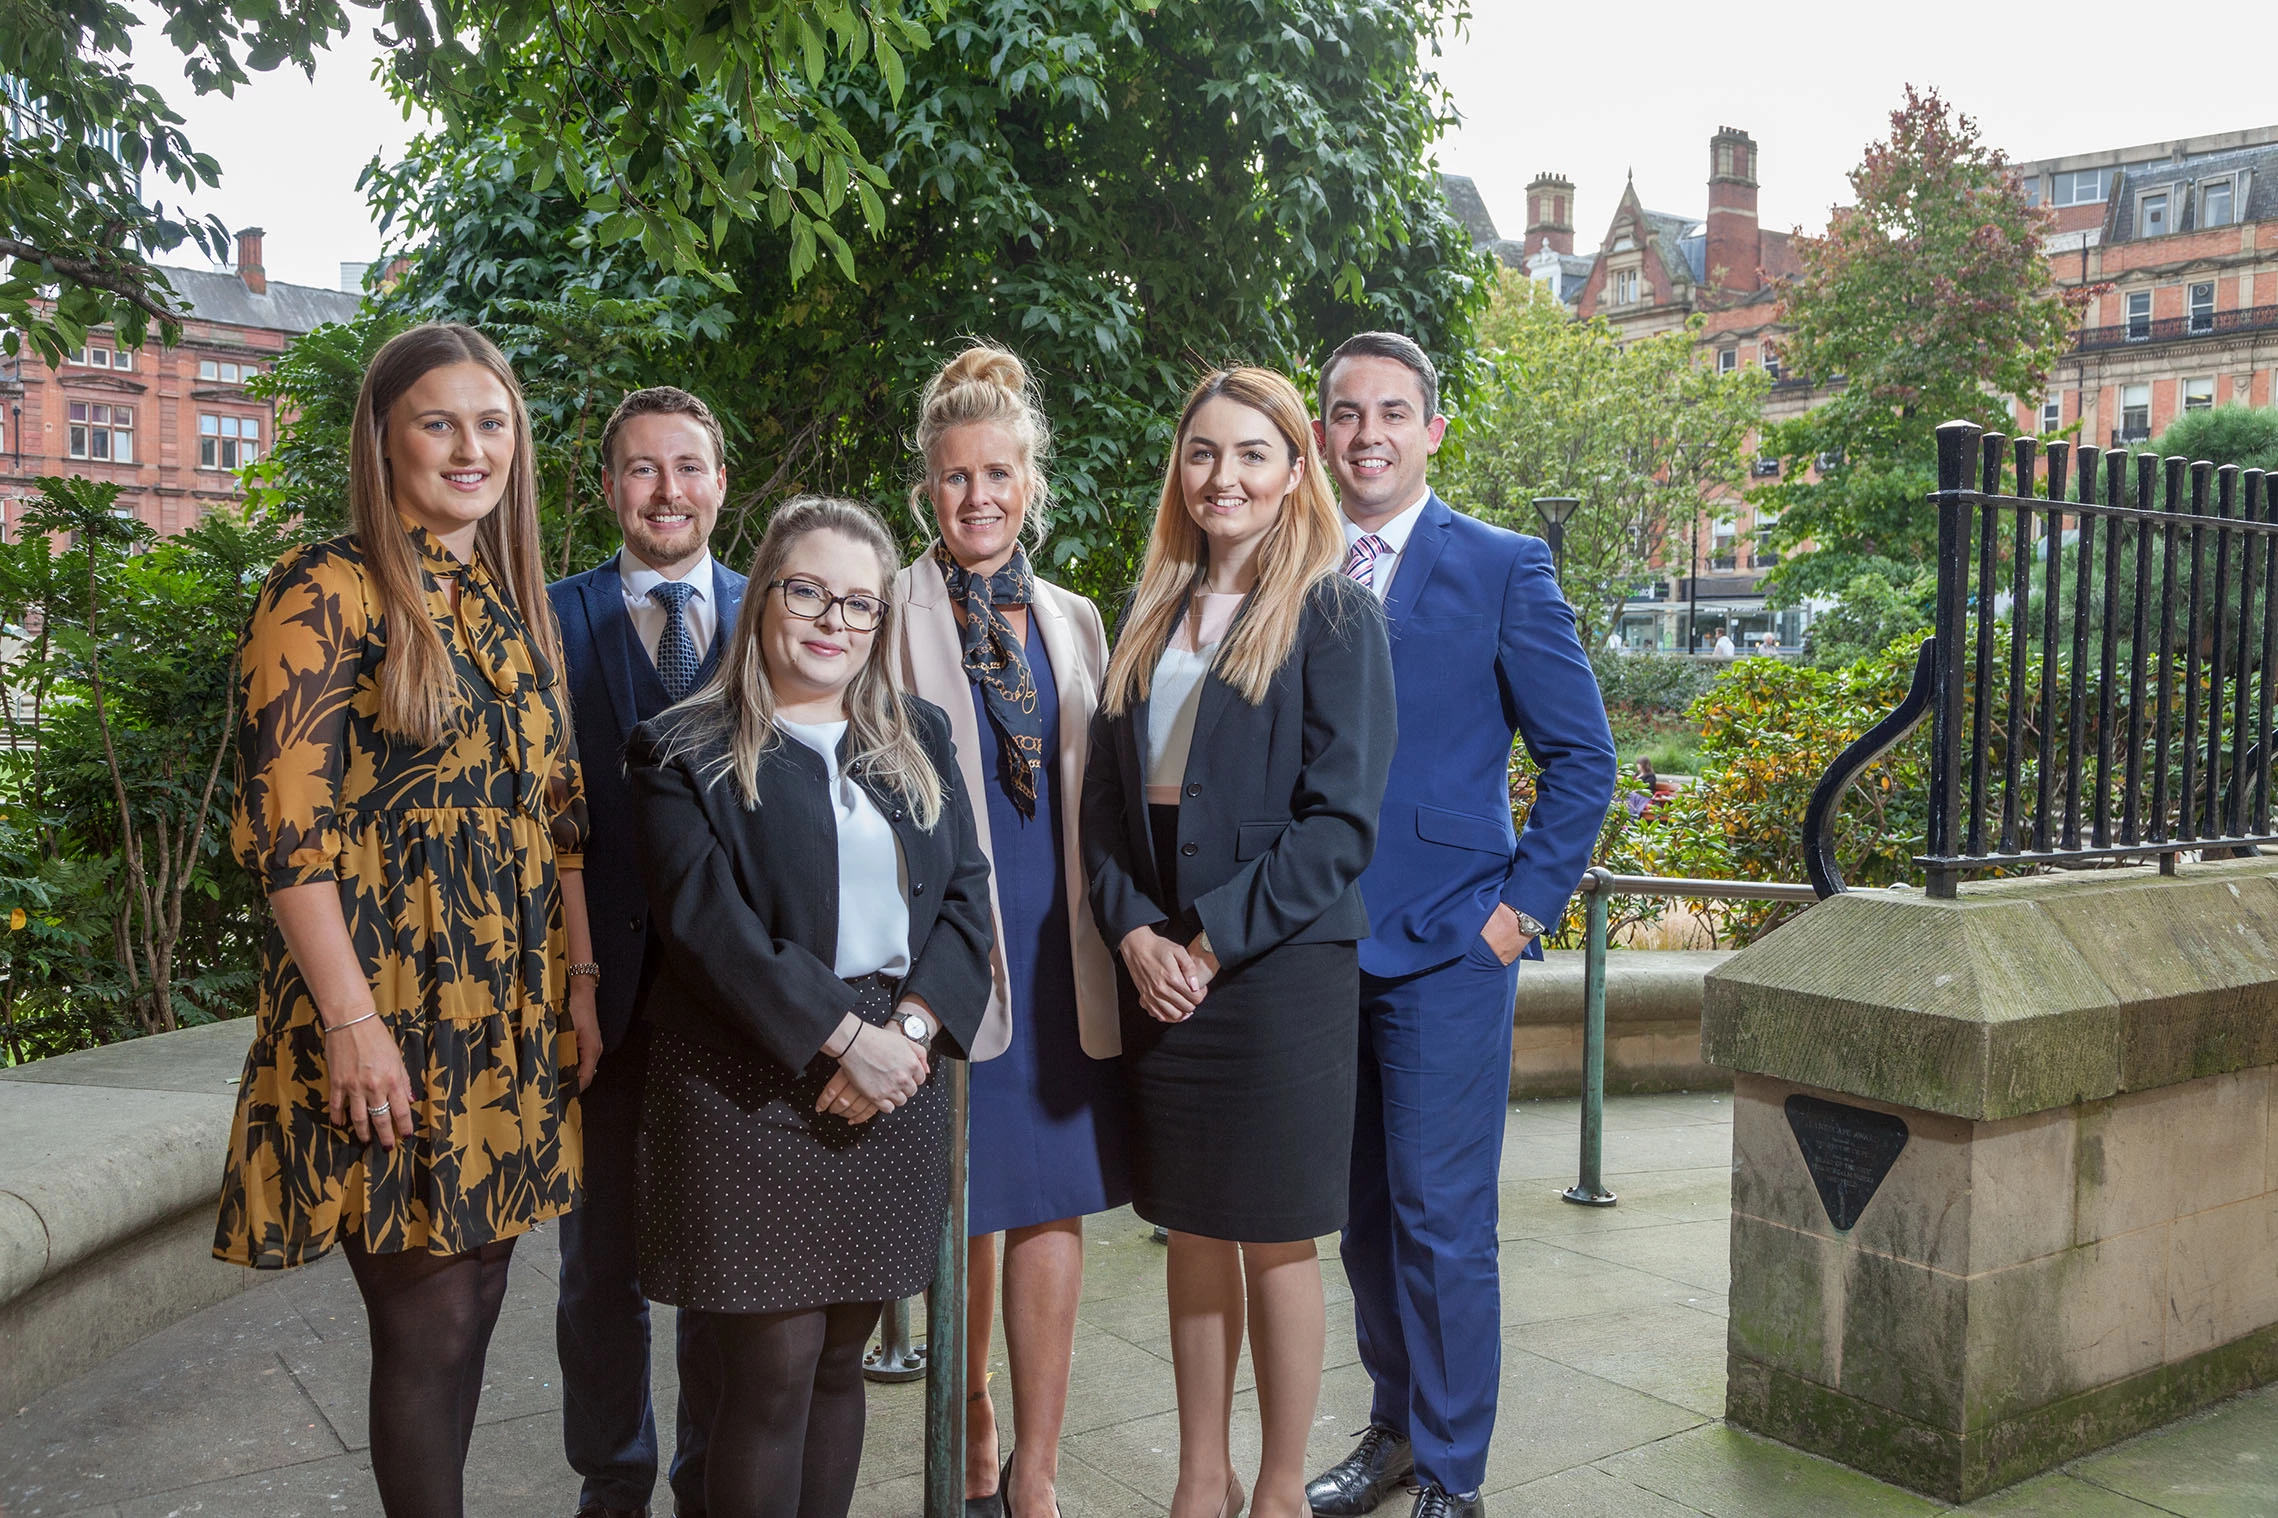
2005, 1170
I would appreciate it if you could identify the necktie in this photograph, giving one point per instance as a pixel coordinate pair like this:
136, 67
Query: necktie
1361, 562
676, 651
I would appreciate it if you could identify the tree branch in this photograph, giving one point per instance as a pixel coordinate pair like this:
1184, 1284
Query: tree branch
135, 292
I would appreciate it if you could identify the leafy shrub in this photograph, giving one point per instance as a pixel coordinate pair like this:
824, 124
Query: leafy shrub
1649, 683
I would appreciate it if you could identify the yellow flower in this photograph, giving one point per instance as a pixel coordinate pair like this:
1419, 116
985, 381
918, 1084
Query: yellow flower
16, 919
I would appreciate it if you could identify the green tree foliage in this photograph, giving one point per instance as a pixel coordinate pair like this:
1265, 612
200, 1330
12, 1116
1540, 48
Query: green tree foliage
1638, 432
1126, 196
670, 124
1869, 616
1926, 300
2243, 435
120, 709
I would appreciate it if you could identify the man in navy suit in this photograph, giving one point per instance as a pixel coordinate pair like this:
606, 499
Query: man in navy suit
1483, 645
638, 633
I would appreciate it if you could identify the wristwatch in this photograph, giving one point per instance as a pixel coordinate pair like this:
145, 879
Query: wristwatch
914, 1028
1528, 925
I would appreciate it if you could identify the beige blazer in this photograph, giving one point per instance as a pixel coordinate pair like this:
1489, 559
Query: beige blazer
933, 666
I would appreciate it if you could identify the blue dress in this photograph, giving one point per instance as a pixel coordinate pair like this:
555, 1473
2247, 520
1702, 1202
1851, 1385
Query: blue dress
1048, 1120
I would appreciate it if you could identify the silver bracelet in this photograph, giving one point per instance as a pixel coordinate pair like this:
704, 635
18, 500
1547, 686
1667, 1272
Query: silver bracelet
352, 1022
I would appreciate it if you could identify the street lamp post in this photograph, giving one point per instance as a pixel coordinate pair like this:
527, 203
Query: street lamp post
1554, 510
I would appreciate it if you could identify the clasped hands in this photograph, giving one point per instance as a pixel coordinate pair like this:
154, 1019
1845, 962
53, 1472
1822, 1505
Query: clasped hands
1172, 978
878, 1068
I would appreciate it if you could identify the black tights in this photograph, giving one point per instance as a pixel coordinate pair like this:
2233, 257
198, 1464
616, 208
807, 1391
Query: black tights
787, 1434
431, 1317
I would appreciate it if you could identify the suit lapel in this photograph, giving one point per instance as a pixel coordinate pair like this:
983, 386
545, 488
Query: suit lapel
1418, 559
727, 600
614, 645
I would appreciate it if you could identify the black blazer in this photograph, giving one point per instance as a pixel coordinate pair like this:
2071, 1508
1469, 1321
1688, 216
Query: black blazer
1277, 814
744, 902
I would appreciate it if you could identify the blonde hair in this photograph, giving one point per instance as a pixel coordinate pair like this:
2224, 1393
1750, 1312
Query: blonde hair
1305, 545
419, 686
736, 708
986, 382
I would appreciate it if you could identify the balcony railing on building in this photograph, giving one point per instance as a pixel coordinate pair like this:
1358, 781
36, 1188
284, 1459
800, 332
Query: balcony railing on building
2169, 329
2100, 677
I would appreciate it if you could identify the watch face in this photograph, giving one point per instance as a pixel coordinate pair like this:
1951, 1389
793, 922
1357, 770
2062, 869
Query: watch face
913, 1028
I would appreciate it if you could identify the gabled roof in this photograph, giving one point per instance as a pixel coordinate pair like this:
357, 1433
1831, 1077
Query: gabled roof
1464, 199
1681, 241
219, 296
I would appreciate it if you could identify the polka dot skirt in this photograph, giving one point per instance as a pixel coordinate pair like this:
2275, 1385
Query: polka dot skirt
751, 1201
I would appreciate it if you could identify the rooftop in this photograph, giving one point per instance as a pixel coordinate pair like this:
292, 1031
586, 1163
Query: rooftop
222, 297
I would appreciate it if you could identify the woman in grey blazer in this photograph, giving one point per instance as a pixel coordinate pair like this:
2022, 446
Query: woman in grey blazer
1016, 661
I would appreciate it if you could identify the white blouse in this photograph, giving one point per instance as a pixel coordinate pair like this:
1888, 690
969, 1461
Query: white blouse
1175, 693
873, 879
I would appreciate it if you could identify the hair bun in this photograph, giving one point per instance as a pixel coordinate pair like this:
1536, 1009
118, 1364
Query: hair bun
986, 364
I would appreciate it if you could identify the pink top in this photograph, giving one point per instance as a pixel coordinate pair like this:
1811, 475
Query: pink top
1175, 692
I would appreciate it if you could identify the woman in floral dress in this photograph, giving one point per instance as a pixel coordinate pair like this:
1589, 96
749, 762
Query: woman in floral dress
409, 798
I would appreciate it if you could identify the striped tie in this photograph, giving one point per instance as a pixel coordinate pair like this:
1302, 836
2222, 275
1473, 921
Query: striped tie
1361, 562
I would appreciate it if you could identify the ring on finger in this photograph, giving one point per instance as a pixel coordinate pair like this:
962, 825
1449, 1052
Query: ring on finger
380, 1111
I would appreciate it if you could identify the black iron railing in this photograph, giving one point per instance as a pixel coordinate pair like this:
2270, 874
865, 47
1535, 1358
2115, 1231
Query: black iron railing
2171, 329
2099, 676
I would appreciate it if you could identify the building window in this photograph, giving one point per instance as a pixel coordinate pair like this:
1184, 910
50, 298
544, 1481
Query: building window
2215, 203
227, 442
1770, 357
2135, 413
2203, 308
1724, 551
2139, 315
2080, 187
1624, 283
104, 434
1727, 360
2052, 415
1761, 553
91, 357
226, 373
2151, 215
1766, 468
2199, 394
2033, 191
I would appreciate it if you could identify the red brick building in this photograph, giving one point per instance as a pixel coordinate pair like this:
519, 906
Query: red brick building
2183, 236
170, 425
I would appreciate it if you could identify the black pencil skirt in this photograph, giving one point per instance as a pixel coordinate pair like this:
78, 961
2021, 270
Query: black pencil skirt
751, 1201
1242, 1116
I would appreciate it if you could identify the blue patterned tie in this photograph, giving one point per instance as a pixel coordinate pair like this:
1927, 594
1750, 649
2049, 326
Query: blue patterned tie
676, 651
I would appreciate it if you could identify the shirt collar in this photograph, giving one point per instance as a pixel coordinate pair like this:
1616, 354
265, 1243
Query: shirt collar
1393, 534
638, 579
436, 559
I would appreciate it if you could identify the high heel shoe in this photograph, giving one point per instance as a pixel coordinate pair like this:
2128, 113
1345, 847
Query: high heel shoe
1236, 1501
1004, 1490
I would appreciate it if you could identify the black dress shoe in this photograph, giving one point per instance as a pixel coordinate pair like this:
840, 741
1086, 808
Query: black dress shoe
991, 1506
1378, 1466
596, 1510
1435, 1501
1004, 1492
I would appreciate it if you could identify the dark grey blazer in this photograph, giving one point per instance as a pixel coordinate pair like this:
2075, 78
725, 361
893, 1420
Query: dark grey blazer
1277, 814
744, 901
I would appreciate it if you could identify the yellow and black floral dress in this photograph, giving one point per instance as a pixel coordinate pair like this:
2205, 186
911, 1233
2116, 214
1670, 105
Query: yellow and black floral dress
446, 861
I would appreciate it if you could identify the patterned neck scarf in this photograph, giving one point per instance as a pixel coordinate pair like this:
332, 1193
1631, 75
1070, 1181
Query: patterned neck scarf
995, 661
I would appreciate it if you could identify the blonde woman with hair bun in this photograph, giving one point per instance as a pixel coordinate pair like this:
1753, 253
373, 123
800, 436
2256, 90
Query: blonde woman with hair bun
1245, 736
1016, 661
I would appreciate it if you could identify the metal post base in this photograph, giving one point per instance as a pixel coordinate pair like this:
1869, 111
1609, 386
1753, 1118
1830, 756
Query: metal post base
1588, 1196
896, 1359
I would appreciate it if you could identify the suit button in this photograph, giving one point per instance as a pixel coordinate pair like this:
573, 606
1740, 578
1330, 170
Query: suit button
1194, 790
1190, 849
634, 925
917, 888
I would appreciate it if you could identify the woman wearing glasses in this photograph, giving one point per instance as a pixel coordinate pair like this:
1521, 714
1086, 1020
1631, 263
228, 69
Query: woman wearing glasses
814, 875
1016, 661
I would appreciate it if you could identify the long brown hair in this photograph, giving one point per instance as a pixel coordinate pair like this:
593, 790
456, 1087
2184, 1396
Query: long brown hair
737, 706
1305, 544
419, 688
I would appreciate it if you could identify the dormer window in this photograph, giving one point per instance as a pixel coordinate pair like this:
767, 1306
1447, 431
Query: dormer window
1623, 287
2216, 201
2151, 215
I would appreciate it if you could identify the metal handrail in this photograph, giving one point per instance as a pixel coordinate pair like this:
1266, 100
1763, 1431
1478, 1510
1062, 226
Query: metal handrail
1600, 885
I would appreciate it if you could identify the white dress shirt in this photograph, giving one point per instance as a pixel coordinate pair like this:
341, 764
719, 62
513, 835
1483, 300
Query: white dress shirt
1174, 695
873, 879
1394, 536
701, 613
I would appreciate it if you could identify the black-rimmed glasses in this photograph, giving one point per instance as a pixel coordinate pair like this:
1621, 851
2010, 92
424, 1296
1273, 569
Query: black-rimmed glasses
807, 601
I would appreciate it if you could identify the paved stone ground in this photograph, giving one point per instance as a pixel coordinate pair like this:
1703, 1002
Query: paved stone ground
1613, 1334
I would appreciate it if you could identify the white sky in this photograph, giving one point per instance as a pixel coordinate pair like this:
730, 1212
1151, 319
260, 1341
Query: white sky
1588, 92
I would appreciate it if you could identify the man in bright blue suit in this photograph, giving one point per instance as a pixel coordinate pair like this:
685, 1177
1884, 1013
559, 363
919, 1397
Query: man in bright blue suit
638, 633
1483, 646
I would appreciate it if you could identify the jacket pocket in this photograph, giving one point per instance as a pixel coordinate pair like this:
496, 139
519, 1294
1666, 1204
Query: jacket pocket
1253, 838
1436, 824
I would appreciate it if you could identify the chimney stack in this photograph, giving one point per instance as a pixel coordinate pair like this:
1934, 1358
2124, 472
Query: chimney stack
249, 266
1735, 252
1550, 214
